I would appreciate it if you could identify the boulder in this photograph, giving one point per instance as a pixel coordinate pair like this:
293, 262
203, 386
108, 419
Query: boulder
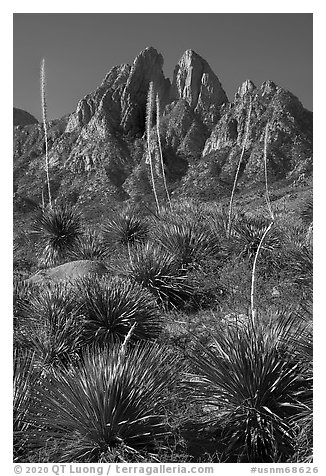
68, 272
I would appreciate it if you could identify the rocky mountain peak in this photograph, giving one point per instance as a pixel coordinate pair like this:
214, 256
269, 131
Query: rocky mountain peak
147, 67
268, 88
246, 87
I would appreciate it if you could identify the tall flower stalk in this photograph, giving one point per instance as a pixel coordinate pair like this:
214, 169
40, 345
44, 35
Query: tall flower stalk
149, 114
238, 169
160, 146
44, 117
268, 202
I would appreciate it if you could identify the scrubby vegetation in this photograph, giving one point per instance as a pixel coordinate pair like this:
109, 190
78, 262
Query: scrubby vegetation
160, 359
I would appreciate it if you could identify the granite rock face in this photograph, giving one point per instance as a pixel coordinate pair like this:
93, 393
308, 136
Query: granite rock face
98, 152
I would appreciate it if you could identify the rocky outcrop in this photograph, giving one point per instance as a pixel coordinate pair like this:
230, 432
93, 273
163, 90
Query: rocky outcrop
23, 118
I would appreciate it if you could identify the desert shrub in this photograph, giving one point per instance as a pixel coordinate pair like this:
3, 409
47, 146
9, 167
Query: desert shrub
108, 407
111, 306
158, 271
125, 229
251, 409
58, 231
50, 325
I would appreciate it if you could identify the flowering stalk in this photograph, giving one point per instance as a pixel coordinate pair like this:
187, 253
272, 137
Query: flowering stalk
238, 169
268, 202
44, 117
160, 146
149, 113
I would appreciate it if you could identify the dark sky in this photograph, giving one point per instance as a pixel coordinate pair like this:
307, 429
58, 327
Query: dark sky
79, 49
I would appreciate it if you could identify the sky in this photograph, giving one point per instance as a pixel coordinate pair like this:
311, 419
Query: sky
80, 48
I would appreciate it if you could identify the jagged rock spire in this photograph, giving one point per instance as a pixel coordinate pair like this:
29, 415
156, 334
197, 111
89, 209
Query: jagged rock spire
194, 81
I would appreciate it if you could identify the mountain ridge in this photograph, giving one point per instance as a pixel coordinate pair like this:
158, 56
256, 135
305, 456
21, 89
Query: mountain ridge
100, 148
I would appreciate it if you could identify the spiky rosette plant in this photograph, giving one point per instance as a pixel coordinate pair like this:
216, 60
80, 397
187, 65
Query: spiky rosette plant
125, 229
248, 233
58, 230
112, 306
90, 246
51, 325
300, 346
110, 404
190, 242
158, 271
252, 388
25, 375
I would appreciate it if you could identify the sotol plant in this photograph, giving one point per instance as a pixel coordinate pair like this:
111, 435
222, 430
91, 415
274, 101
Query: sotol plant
50, 325
252, 409
109, 406
158, 271
58, 230
191, 242
125, 229
111, 307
